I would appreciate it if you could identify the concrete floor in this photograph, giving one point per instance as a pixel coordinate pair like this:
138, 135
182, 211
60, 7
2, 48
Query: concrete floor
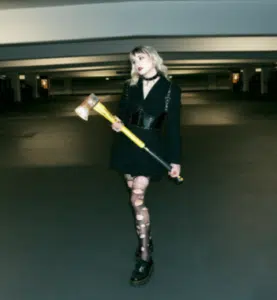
67, 230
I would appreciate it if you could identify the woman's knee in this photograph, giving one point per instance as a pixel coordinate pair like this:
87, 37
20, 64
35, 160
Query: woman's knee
137, 197
138, 188
140, 183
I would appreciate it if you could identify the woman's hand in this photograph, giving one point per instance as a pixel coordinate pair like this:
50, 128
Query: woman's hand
117, 125
175, 171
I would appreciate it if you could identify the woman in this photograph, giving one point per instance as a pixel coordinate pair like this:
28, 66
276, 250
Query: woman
150, 108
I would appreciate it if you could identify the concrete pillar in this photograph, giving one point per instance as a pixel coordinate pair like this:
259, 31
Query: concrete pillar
212, 82
49, 86
15, 82
68, 86
51, 92
264, 80
31, 79
230, 81
246, 76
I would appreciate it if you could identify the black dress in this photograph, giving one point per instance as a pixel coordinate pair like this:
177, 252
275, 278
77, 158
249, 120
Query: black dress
156, 122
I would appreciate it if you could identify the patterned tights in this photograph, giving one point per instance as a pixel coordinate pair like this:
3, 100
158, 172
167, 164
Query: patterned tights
138, 186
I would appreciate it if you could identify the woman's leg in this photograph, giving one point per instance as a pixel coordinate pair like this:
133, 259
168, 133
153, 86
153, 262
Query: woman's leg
141, 225
138, 188
144, 264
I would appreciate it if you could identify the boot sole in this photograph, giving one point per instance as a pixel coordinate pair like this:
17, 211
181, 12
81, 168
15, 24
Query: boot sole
143, 281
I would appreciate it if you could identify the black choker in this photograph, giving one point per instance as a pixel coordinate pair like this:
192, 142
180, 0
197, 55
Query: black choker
151, 78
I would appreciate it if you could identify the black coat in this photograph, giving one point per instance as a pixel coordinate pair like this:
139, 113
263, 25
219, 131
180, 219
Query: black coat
128, 158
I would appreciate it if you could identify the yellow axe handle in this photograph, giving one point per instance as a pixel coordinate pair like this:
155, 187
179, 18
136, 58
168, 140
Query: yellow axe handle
101, 109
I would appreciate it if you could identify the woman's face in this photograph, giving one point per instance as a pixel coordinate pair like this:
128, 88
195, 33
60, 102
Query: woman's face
142, 63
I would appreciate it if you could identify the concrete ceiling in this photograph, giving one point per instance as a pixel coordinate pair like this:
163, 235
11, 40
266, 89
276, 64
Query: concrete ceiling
109, 57
47, 3
17, 4
104, 58
118, 65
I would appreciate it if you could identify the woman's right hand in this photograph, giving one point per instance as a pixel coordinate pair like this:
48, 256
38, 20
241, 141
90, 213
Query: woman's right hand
117, 125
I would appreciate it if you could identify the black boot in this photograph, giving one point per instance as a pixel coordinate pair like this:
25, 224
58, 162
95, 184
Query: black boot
138, 251
142, 272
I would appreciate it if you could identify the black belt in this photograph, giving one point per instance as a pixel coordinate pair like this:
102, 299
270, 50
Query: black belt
146, 121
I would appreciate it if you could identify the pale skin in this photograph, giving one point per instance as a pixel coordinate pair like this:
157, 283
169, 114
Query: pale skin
145, 66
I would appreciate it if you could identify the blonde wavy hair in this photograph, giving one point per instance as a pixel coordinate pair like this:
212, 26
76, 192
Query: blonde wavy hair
154, 55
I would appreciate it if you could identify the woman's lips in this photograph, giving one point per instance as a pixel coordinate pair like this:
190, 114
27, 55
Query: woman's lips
139, 69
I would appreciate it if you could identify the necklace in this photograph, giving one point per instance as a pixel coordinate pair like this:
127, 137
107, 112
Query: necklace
151, 78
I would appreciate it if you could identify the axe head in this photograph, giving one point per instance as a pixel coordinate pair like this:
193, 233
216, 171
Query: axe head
84, 108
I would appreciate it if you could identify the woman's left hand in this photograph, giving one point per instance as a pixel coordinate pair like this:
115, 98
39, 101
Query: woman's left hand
175, 171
